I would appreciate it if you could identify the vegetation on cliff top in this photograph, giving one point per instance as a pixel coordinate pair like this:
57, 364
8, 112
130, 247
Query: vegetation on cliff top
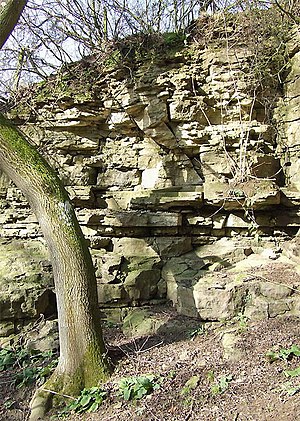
265, 33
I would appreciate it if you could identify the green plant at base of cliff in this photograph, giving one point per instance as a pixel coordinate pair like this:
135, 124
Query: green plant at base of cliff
201, 330
26, 377
20, 356
30, 365
283, 353
190, 385
220, 386
290, 389
88, 401
242, 322
292, 373
132, 388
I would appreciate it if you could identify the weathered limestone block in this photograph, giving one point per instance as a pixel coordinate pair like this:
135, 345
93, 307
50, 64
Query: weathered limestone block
78, 173
173, 246
110, 294
129, 247
292, 167
119, 119
184, 270
44, 338
71, 142
142, 280
235, 221
182, 79
74, 117
244, 289
82, 196
141, 284
112, 178
191, 134
216, 300
196, 286
256, 194
154, 114
132, 104
141, 219
262, 308
108, 267
230, 344
150, 153
215, 165
155, 177
141, 322
292, 81
257, 309
275, 291
173, 169
287, 116
137, 277
189, 110
25, 281
162, 135
290, 112
200, 221
185, 300
291, 249
225, 249
118, 153
279, 308
182, 170
168, 198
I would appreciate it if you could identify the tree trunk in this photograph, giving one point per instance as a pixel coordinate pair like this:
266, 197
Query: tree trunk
82, 361
10, 11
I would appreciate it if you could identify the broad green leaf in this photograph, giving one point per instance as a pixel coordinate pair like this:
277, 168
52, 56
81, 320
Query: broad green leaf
141, 392
295, 350
293, 390
292, 373
85, 400
272, 356
127, 394
93, 407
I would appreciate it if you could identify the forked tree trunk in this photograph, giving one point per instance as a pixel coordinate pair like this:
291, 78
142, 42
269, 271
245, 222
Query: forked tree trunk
82, 361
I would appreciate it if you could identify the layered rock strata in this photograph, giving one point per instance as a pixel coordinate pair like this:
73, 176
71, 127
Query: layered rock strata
176, 171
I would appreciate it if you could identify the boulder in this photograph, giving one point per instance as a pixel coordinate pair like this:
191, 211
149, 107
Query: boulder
26, 283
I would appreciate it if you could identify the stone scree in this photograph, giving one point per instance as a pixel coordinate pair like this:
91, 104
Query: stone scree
172, 170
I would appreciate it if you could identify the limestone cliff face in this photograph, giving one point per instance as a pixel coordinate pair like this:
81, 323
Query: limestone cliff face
163, 162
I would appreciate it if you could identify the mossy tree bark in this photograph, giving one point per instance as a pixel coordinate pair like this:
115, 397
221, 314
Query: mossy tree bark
82, 361
10, 12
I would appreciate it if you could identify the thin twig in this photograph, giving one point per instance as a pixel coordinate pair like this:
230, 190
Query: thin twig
60, 394
151, 347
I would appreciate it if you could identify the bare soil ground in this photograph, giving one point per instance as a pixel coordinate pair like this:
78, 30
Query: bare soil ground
255, 389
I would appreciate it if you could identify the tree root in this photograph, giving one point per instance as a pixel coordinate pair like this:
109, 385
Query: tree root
63, 385
40, 404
